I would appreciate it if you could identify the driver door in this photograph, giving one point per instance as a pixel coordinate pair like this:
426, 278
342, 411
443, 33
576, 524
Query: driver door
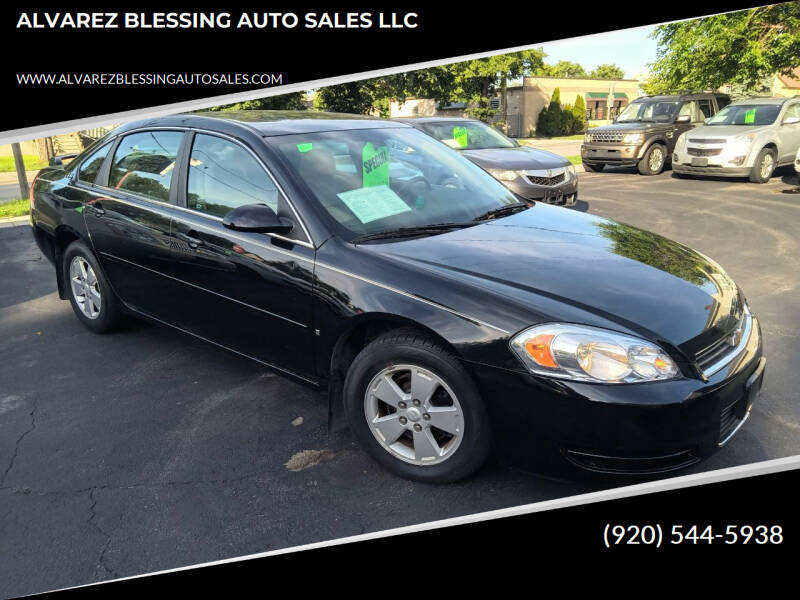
250, 292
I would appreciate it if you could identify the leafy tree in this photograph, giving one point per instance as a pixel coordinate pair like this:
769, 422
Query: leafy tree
579, 113
563, 68
293, 101
607, 71
735, 48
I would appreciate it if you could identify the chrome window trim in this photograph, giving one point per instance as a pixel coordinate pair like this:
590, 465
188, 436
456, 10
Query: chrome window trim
186, 128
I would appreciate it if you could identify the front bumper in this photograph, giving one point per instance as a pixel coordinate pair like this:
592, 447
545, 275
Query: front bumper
563, 194
611, 154
549, 425
726, 159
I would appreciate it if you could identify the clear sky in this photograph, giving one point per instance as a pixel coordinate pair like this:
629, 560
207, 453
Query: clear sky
630, 49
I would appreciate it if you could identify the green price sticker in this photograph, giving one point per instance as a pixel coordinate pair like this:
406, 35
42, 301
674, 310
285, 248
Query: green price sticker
460, 136
750, 116
304, 147
375, 165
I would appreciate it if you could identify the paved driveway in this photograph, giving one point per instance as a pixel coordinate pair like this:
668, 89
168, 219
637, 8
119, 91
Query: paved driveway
146, 450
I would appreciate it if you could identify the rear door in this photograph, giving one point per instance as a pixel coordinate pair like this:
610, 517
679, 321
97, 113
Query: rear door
250, 292
129, 218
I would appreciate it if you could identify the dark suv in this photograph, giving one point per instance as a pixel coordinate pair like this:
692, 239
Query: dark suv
644, 134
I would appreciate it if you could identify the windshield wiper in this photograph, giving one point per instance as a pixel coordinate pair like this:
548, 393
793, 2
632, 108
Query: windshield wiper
502, 211
431, 229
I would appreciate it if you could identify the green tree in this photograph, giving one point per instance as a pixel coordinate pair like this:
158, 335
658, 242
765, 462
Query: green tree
293, 101
607, 71
579, 113
735, 48
563, 68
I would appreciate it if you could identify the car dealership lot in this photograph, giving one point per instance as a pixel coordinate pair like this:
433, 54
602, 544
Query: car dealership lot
147, 450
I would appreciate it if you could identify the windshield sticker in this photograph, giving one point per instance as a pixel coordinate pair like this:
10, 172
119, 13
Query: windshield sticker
750, 116
372, 203
304, 147
375, 166
461, 137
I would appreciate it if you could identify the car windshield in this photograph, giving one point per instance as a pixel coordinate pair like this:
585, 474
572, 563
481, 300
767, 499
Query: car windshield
377, 180
466, 135
657, 112
746, 115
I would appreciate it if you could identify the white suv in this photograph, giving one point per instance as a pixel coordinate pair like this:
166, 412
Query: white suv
748, 138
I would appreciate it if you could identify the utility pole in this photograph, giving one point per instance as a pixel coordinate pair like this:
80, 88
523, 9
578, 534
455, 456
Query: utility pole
20, 164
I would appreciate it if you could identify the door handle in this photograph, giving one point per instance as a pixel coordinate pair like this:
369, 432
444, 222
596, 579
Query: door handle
190, 239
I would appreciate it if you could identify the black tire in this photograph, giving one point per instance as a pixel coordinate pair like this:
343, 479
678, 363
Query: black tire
594, 167
109, 314
408, 347
644, 164
755, 173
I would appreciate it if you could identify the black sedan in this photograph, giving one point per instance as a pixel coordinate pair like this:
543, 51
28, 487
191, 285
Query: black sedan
443, 316
529, 172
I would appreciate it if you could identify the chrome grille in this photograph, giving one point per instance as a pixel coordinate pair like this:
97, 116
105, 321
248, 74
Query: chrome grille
703, 151
714, 357
607, 136
707, 141
546, 180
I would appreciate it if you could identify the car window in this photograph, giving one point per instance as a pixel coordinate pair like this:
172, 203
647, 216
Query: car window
689, 109
746, 114
87, 173
223, 176
466, 135
706, 109
144, 163
401, 178
793, 110
653, 111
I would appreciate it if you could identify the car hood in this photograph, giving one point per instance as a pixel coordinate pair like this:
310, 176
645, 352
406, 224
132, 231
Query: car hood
632, 126
725, 131
515, 159
642, 281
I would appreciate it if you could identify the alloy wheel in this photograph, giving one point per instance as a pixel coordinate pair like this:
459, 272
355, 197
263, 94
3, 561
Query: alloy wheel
85, 287
414, 414
767, 165
656, 160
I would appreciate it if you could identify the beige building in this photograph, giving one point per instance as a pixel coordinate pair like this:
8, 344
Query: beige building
785, 85
527, 100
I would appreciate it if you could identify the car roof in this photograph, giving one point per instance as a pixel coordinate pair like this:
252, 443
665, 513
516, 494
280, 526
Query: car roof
267, 123
673, 97
762, 100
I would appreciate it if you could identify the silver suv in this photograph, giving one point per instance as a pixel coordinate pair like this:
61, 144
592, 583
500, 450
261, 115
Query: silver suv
748, 138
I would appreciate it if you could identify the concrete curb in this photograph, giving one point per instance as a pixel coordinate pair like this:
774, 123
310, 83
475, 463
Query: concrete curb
14, 221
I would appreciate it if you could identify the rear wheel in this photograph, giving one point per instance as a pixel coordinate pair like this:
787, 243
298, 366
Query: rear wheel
594, 167
653, 161
415, 410
763, 167
94, 303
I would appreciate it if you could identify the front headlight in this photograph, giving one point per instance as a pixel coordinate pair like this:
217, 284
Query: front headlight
742, 143
633, 138
587, 138
569, 172
584, 353
503, 174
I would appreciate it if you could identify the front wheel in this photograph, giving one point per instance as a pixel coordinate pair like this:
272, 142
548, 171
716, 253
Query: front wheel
763, 167
415, 410
653, 161
91, 297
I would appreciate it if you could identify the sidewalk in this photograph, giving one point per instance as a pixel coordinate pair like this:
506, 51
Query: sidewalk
10, 177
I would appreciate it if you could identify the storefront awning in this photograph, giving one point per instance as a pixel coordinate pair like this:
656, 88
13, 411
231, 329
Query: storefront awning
604, 95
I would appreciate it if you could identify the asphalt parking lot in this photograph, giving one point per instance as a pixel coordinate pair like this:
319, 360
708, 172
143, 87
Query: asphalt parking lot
146, 450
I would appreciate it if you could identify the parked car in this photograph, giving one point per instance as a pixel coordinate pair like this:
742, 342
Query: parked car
445, 318
749, 138
645, 132
529, 172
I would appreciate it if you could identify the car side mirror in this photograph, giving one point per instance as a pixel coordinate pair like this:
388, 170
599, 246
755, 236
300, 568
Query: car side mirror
257, 218
706, 120
791, 120
55, 161
683, 119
